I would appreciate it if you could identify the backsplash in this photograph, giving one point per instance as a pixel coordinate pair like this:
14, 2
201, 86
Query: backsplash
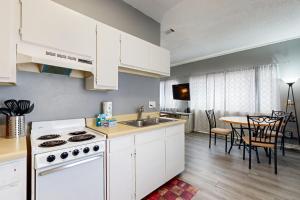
61, 97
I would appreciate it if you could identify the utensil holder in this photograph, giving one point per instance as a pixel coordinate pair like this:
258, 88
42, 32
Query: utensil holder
15, 126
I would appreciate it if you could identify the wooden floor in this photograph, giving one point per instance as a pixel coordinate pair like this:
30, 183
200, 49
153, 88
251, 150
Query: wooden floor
221, 176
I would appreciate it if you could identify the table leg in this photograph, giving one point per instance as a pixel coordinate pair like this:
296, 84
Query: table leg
241, 136
231, 138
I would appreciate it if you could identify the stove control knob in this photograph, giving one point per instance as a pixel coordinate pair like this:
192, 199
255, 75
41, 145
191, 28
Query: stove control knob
75, 152
64, 155
86, 150
96, 148
51, 158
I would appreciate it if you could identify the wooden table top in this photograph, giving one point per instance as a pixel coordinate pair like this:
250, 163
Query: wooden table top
239, 120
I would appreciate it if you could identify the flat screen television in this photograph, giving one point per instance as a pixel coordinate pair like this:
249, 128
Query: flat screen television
181, 91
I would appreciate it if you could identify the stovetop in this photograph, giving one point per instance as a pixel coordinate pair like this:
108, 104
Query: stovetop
56, 142
50, 141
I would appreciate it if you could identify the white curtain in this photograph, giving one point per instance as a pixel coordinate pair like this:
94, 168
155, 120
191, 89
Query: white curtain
166, 95
268, 93
162, 95
198, 93
237, 92
240, 92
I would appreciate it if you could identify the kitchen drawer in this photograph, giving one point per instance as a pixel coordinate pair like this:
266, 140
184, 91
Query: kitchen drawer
120, 143
150, 136
173, 130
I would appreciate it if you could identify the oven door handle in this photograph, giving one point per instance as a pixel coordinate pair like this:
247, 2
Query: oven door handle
50, 171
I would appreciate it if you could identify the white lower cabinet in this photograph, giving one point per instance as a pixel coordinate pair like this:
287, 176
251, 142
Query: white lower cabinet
174, 151
149, 162
13, 180
139, 164
121, 169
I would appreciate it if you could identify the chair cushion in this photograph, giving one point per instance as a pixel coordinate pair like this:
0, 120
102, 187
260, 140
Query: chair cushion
258, 144
221, 131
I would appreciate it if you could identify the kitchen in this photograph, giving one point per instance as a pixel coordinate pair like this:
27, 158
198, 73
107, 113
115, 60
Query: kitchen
139, 99
67, 64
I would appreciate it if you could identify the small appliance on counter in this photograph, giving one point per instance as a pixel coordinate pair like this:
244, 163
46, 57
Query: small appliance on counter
15, 112
105, 121
107, 108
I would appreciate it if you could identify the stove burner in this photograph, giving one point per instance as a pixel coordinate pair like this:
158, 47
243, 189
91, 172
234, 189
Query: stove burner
48, 137
52, 143
80, 138
78, 133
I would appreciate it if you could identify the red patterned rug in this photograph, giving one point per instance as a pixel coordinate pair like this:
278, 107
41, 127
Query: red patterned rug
175, 189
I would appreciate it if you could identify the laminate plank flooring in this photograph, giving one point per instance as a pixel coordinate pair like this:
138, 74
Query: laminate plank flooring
221, 176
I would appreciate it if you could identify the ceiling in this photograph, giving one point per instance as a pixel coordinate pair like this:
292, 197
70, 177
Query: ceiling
210, 28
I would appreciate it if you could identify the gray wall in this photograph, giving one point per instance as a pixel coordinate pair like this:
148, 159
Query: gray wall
118, 14
286, 54
61, 97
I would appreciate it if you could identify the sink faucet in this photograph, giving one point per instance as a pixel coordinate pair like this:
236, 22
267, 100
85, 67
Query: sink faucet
140, 112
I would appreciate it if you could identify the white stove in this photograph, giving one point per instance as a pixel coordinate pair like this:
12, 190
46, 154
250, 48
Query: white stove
66, 152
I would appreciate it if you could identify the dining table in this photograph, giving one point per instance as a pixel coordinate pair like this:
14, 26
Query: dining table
238, 125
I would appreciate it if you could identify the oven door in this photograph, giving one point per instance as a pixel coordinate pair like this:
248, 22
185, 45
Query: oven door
78, 180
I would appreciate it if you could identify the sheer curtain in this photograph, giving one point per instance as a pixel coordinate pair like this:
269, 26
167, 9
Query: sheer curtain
198, 93
166, 95
236, 92
162, 95
240, 92
268, 93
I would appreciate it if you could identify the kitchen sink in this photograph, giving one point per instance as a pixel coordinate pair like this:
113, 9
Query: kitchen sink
147, 122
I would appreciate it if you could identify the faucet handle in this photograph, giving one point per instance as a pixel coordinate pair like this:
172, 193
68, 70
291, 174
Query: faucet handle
141, 108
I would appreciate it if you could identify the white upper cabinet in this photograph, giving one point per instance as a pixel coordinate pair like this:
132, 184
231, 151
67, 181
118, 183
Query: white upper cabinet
159, 60
8, 43
134, 52
49, 25
143, 56
108, 59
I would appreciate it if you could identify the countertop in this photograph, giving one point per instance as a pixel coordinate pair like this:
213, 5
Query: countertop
122, 129
11, 149
175, 113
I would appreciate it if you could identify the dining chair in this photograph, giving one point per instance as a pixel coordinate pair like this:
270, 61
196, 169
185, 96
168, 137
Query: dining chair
216, 131
286, 118
259, 128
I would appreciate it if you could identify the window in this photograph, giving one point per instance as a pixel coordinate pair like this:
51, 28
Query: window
166, 95
237, 92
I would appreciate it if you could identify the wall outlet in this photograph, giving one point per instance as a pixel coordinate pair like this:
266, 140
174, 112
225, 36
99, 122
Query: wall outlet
152, 104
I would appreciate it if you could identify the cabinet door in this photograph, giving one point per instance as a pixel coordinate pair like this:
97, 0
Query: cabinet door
134, 52
150, 165
174, 151
52, 25
121, 168
159, 59
8, 42
108, 57
13, 180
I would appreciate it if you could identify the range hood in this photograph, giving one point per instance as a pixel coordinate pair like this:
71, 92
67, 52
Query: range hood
53, 60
